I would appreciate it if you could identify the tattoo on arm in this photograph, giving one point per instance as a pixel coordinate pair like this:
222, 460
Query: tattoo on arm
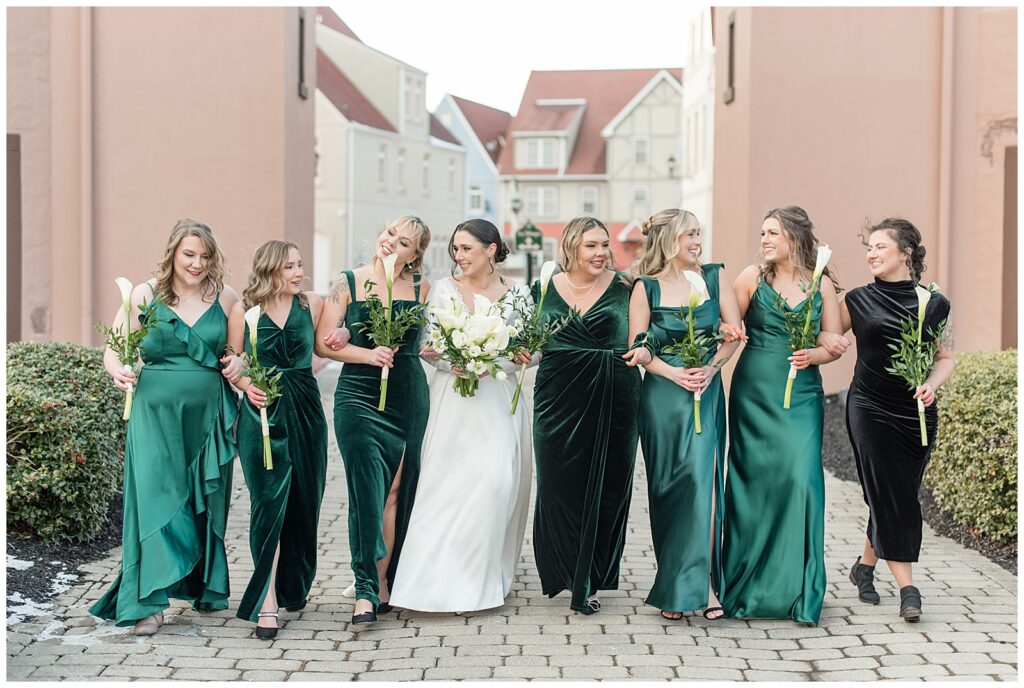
719, 363
338, 289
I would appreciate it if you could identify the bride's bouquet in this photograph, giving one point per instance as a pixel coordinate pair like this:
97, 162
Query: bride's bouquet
473, 341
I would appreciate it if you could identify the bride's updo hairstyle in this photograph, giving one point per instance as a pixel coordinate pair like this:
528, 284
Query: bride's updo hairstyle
483, 231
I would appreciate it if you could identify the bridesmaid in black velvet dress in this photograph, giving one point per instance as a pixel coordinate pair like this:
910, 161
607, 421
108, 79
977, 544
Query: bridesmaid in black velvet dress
881, 413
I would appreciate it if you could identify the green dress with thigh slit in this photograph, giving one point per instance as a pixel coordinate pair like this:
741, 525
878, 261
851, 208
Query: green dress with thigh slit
178, 461
773, 559
685, 470
375, 444
285, 500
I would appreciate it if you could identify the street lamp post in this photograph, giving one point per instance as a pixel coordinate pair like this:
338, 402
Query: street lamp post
516, 204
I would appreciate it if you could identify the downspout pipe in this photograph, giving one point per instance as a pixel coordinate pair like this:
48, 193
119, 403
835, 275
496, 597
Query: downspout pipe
86, 172
946, 150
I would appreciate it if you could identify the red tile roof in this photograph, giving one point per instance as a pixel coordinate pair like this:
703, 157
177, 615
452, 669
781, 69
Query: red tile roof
345, 96
489, 124
328, 18
606, 91
439, 131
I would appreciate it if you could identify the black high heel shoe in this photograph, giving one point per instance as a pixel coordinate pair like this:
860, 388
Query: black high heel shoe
264, 633
365, 617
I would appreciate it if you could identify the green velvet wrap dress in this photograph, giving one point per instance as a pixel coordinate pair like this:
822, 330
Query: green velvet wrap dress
178, 460
285, 500
586, 403
375, 444
685, 470
773, 561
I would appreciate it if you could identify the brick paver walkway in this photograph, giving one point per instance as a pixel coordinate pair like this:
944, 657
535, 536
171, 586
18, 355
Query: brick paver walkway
969, 628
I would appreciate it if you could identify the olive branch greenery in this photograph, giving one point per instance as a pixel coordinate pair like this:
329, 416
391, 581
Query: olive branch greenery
798, 328
385, 328
268, 381
692, 349
912, 359
534, 333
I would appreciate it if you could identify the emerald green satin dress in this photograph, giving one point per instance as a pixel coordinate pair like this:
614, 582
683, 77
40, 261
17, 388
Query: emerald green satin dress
374, 444
586, 403
774, 532
178, 461
285, 500
685, 471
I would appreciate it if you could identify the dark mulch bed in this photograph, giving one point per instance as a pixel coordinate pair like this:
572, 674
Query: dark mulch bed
36, 582
837, 456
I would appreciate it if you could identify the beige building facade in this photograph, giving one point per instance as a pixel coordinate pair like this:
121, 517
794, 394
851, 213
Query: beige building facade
857, 114
380, 154
129, 119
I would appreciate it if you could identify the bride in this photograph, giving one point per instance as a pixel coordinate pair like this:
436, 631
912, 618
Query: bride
467, 522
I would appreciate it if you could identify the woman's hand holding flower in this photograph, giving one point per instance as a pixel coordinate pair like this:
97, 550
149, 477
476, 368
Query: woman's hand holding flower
382, 357
800, 359
256, 396
523, 357
926, 393
122, 377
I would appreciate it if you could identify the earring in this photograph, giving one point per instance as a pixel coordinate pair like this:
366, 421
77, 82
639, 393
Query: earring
490, 261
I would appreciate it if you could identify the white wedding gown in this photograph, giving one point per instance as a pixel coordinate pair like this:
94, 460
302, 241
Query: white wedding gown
466, 528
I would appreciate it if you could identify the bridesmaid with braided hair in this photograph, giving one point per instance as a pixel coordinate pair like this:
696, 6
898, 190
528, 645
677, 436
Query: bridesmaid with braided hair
882, 413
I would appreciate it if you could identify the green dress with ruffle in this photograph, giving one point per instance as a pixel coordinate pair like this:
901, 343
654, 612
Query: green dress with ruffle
177, 473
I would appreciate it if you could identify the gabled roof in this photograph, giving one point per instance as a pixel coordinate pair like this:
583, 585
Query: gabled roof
344, 95
663, 76
489, 124
439, 131
606, 92
327, 17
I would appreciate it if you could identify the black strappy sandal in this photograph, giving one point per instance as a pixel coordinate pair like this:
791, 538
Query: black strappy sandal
910, 603
264, 633
709, 610
665, 614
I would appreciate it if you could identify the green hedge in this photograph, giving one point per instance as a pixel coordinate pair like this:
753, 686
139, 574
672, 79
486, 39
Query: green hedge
65, 440
973, 470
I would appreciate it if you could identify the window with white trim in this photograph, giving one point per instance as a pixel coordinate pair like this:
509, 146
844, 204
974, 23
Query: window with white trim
588, 200
540, 154
476, 200
541, 201
640, 194
382, 166
425, 173
641, 152
451, 175
400, 170
413, 99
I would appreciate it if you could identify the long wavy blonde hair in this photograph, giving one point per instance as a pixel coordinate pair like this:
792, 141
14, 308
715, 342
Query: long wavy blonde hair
798, 230
265, 276
661, 241
572, 237
216, 266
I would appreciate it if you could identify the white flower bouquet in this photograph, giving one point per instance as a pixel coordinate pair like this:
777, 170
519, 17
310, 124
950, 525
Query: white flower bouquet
471, 342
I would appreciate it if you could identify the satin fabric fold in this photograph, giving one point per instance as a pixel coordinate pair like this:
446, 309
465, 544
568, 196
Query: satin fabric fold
375, 444
284, 501
179, 455
773, 561
685, 470
882, 420
586, 402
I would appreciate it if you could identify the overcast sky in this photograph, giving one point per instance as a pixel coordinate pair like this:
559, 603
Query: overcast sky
484, 50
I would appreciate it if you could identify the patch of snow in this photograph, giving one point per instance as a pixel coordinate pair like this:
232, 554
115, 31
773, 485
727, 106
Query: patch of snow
62, 582
19, 609
18, 564
96, 635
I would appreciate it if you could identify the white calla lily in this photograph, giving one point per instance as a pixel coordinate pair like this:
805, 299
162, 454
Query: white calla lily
126, 292
252, 319
389, 270
824, 256
698, 288
546, 272
923, 297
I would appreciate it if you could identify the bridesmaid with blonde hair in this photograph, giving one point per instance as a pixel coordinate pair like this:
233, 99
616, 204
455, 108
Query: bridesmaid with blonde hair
180, 447
284, 500
685, 462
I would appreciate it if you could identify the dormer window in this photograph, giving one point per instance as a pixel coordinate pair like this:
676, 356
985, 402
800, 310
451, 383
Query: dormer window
540, 153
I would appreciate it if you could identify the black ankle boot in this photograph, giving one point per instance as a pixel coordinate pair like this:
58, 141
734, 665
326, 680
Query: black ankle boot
910, 603
863, 576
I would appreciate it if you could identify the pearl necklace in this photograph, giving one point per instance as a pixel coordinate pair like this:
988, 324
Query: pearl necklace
577, 289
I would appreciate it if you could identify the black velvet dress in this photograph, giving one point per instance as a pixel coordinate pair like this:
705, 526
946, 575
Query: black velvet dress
881, 417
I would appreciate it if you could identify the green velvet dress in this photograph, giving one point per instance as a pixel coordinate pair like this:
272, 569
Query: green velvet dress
586, 402
285, 500
685, 470
374, 444
773, 545
177, 473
